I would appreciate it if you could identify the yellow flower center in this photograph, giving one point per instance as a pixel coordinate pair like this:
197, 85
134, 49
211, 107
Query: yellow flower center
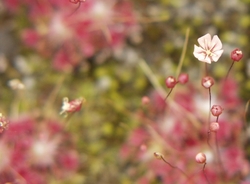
209, 53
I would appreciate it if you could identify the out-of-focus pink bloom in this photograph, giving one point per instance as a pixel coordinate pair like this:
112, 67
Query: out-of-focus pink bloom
35, 151
91, 27
214, 126
145, 100
69, 160
210, 50
44, 150
183, 78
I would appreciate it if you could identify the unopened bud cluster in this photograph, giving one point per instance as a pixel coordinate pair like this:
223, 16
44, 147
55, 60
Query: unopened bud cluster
171, 81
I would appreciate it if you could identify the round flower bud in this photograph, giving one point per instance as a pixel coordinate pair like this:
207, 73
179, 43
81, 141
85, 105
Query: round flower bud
170, 82
216, 110
214, 127
183, 78
158, 155
145, 100
236, 55
207, 82
200, 158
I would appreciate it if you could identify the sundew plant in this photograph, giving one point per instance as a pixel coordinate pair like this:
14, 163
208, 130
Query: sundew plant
195, 130
124, 92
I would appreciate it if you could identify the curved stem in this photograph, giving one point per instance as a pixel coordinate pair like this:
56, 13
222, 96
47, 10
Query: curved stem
203, 169
174, 167
229, 70
79, 4
168, 94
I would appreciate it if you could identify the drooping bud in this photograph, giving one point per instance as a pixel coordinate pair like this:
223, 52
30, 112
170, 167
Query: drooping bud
72, 106
207, 82
170, 82
200, 158
158, 155
214, 126
236, 55
216, 110
183, 78
4, 123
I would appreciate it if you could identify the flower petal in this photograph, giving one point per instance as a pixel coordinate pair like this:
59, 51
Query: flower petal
216, 55
201, 55
205, 41
216, 43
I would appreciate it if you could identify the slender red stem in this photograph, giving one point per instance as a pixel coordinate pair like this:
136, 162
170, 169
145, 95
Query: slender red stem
168, 94
229, 69
203, 169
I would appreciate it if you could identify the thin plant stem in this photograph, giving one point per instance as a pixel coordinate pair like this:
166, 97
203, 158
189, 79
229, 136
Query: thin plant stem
218, 154
229, 70
210, 101
206, 69
174, 167
168, 94
148, 72
153, 80
203, 169
79, 4
217, 150
208, 137
183, 53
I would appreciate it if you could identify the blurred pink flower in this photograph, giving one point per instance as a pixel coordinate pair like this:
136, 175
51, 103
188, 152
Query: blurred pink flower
210, 50
179, 139
36, 151
93, 26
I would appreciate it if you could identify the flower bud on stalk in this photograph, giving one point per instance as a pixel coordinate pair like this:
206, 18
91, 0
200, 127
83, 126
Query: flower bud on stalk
236, 55
207, 82
216, 110
170, 82
201, 158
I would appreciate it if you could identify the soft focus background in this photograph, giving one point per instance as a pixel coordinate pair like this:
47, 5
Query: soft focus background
98, 50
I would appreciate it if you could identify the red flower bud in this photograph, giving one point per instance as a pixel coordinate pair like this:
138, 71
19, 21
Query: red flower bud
183, 78
236, 55
207, 82
170, 82
216, 110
